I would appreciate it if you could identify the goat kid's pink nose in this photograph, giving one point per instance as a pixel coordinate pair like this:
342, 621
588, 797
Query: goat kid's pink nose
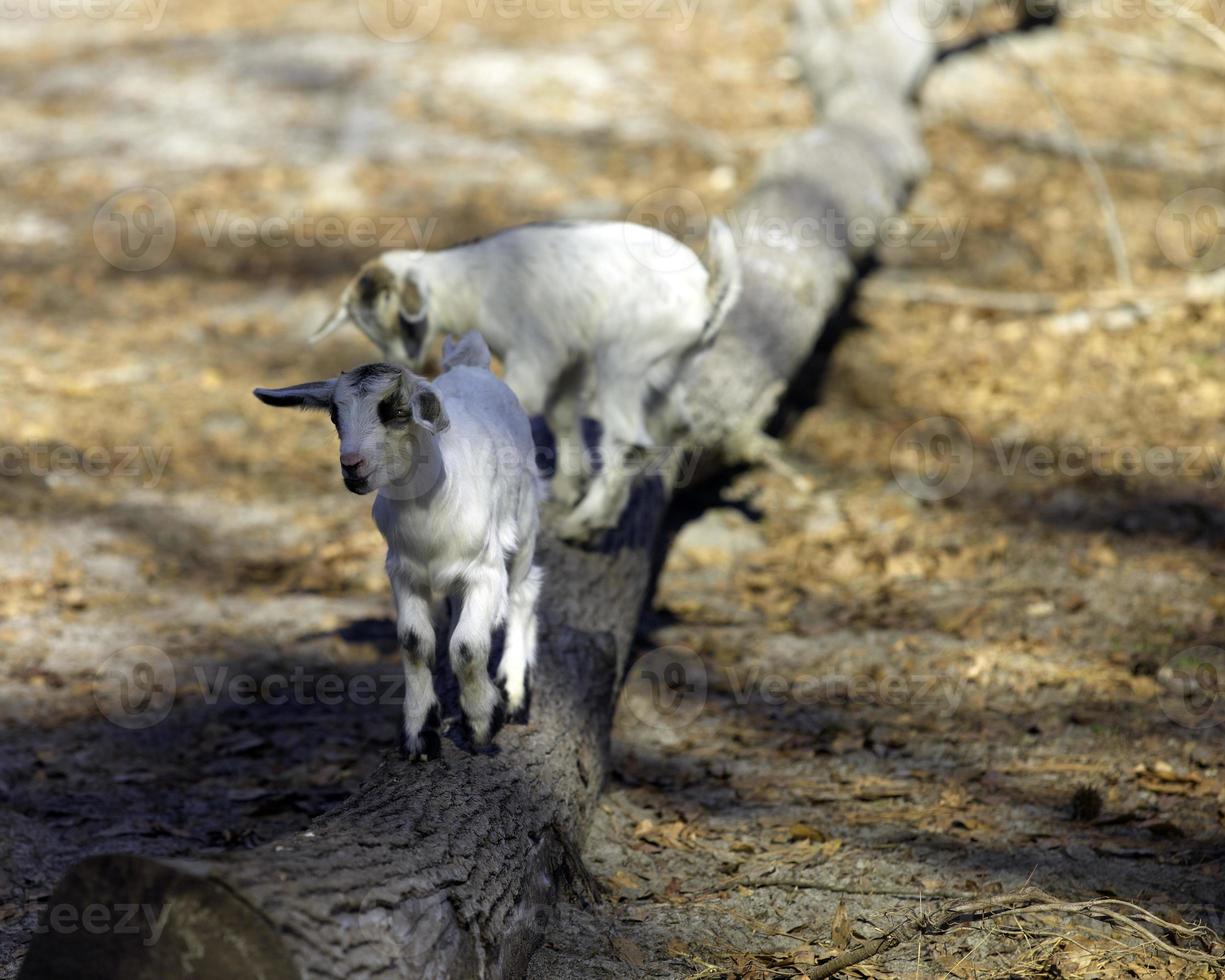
352, 461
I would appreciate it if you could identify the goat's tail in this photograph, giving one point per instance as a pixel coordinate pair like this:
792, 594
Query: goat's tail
723, 287
469, 351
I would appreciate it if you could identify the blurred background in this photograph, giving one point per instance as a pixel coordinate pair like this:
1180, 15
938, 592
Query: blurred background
979, 673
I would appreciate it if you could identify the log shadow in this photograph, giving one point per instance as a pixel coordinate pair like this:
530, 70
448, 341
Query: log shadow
1140, 855
807, 384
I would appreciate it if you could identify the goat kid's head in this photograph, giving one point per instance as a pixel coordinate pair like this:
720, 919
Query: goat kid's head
387, 301
386, 418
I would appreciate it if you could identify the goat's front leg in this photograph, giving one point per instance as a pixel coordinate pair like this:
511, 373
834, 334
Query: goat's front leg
602, 504
415, 632
570, 464
619, 408
483, 608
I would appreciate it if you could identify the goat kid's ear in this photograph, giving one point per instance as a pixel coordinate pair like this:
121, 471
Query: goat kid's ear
427, 409
311, 394
413, 317
370, 299
413, 297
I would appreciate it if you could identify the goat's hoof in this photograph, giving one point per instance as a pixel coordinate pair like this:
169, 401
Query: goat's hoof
576, 531
481, 743
516, 714
423, 747
565, 492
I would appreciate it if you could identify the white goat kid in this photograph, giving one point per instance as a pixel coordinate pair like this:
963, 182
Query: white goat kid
596, 319
458, 504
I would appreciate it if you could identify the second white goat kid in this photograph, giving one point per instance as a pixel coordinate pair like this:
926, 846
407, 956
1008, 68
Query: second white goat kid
591, 318
453, 463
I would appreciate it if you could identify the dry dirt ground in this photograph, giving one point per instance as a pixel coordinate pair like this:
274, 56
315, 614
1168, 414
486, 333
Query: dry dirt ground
894, 675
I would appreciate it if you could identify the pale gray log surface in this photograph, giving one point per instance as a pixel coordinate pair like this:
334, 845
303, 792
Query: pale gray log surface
448, 869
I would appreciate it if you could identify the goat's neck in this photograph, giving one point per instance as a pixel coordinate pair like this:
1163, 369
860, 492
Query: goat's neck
426, 477
456, 304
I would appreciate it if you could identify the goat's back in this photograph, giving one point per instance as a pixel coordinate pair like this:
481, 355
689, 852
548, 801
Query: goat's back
484, 411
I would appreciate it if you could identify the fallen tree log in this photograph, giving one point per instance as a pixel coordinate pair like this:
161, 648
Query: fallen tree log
449, 869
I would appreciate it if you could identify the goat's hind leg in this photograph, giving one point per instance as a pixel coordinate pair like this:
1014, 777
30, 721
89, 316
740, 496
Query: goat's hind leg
415, 632
483, 608
519, 653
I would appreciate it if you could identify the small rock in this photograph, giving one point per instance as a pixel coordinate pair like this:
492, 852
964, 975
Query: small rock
826, 521
996, 179
717, 537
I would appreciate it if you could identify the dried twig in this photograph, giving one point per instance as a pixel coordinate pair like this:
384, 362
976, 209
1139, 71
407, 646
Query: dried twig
1032, 901
1110, 217
838, 889
1099, 303
1152, 50
1191, 18
1136, 156
884, 288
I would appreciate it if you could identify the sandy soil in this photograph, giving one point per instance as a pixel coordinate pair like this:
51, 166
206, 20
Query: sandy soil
901, 677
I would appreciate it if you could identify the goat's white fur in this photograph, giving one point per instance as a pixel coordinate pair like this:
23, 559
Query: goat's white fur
596, 319
458, 505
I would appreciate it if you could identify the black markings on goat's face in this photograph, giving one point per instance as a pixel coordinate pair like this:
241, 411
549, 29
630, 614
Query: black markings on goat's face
386, 419
375, 302
372, 282
393, 410
371, 377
